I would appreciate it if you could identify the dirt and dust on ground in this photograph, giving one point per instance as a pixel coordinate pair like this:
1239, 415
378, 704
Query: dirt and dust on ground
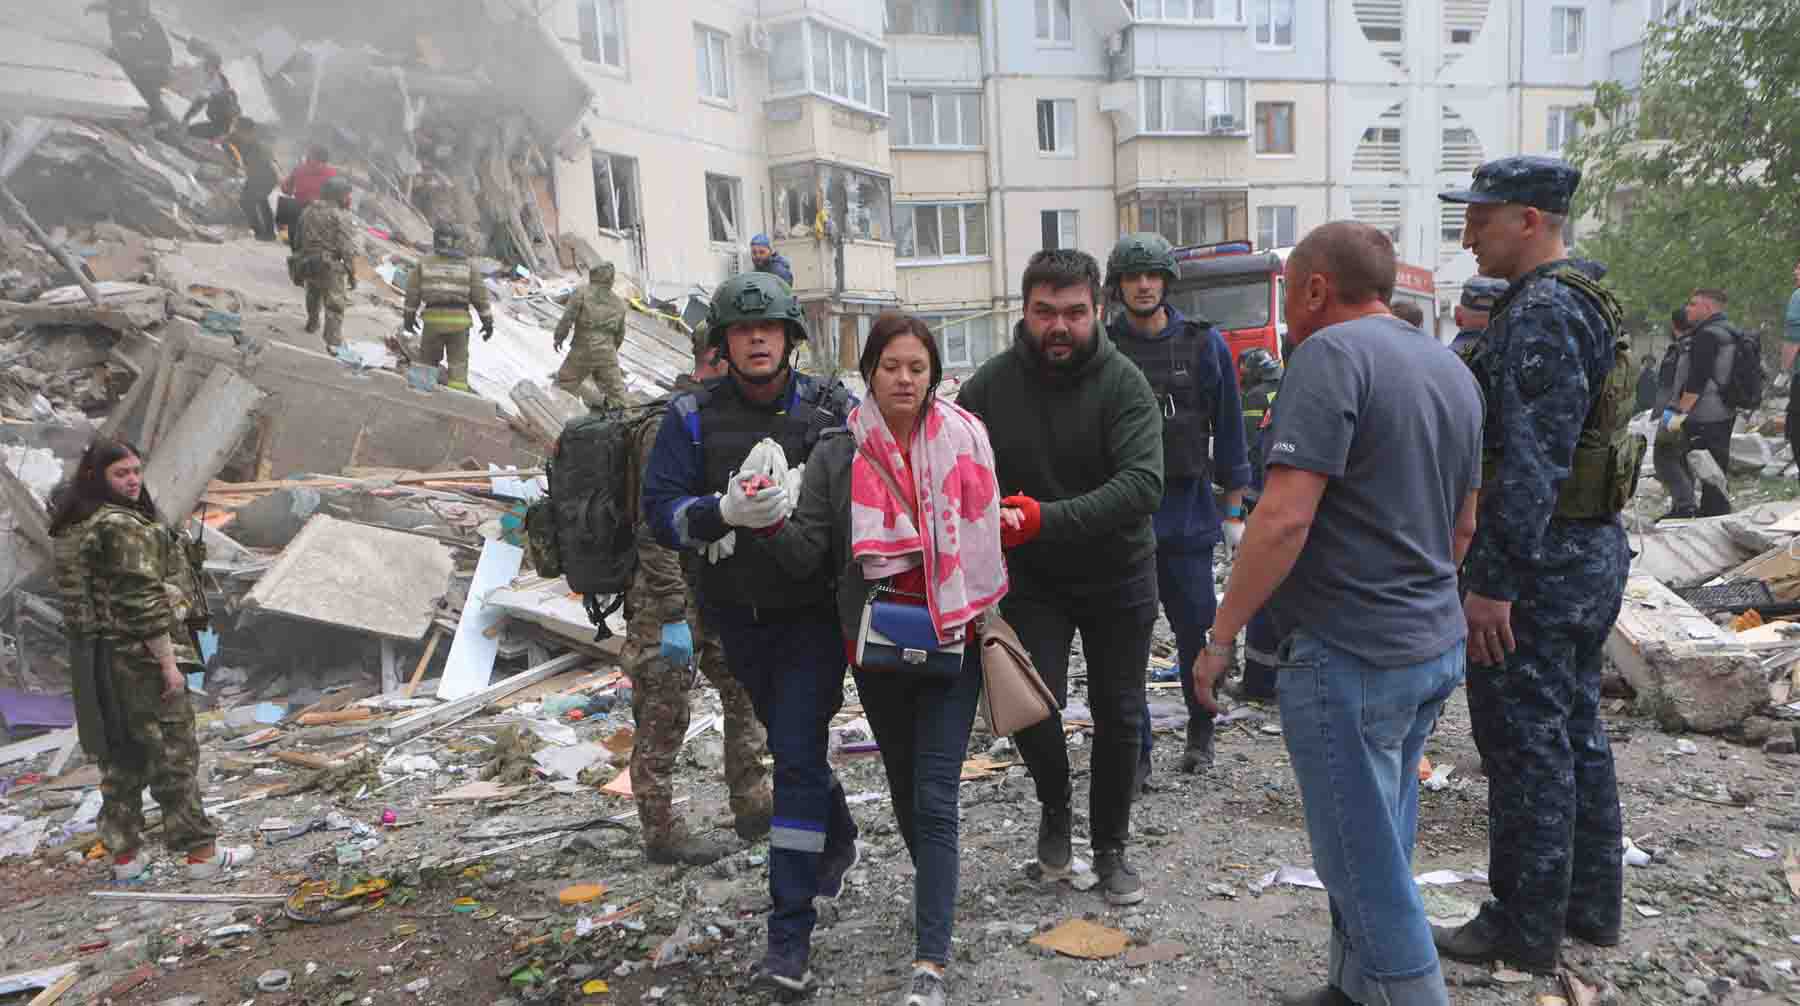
538, 892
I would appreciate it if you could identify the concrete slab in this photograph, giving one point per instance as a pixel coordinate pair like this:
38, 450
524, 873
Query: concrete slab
366, 579
201, 441
125, 307
1692, 674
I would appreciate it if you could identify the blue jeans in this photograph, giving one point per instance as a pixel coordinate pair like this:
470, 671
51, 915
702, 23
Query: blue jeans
1184, 580
792, 664
922, 725
1354, 733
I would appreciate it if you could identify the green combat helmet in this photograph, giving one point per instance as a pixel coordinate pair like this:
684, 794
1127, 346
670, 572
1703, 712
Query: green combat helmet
754, 296
447, 239
1142, 252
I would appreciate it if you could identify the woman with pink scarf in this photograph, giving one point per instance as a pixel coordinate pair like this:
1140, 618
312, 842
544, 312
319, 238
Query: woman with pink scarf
906, 501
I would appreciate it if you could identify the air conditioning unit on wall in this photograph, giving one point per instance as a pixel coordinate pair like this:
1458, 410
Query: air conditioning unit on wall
1222, 124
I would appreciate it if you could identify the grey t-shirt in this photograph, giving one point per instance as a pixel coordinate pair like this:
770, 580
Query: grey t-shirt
1395, 424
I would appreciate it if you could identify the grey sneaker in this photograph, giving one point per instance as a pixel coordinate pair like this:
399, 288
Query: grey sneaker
1118, 881
927, 988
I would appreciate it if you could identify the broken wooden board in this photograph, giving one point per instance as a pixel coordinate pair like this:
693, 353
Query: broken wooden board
200, 442
470, 664
1693, 674
124, 307
568, 682
34, 746
354, 576
417, 723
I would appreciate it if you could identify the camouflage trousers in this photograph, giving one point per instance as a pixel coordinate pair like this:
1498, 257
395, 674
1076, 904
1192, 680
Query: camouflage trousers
1554, 825
659, 703
159, 752
592, 354
435, 345
330, 295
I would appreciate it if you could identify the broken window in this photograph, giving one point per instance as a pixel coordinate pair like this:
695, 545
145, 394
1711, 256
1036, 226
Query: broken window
616, 191
712, 56
796, 199
860, 204
724, 205
602, 36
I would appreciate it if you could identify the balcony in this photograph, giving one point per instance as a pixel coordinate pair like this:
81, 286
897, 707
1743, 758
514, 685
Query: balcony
934, 59
868, 268
812, 128
1165, 162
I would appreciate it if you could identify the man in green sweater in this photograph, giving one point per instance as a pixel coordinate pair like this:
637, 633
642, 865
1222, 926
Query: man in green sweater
1077, 439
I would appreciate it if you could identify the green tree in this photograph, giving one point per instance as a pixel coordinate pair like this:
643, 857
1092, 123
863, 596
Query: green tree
1694, 173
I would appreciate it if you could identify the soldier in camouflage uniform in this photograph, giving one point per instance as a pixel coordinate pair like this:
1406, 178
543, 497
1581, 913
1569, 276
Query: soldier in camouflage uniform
659, 648
132, 602
448, 285
328, 250
595, 317
1545, 573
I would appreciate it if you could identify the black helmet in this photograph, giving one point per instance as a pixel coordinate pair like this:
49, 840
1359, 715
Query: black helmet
336, 187
447, 238
1258, 365
754, 296
1141, 252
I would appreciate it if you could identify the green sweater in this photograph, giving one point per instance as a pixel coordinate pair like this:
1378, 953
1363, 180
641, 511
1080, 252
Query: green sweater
1088, 447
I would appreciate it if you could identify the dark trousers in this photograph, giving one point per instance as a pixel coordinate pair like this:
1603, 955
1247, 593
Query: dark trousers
792, 664
1793, 419
1554, 826
210, 129
1261, 645
149, 84
255, 203
1677, 476
1115, 638
922, 725
1184, 582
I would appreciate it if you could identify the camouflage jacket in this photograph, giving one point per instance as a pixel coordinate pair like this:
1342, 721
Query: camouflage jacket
127, 577
444, 282
593, 309
662, 572
1548, 352
327, 230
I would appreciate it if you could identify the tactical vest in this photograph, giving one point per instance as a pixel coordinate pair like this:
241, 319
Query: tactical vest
1184, 395
727, 427
444, 290
1603, 473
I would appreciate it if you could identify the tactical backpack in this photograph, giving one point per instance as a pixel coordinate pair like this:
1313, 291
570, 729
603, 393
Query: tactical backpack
1744, 389
585, 530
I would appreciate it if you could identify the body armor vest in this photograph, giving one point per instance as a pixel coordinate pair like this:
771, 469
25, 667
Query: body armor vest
1183, 393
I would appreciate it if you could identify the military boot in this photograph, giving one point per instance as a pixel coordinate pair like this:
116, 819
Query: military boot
752, 818
1199, 754
679, 847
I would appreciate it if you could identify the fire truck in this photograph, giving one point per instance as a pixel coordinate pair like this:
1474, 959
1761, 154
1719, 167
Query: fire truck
1241, 292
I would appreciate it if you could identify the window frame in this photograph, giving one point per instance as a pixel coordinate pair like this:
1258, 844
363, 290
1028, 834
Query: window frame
1266, 18
1579, 14
947, 11
1045, 20
705, 36
940, 326
635, 191
1256, 128
1234, 86
939, 100
1561, 124
909, 210
1059, 148
1074, 227
822, 46
598, 55
735, 188
1235, 12
1293, 225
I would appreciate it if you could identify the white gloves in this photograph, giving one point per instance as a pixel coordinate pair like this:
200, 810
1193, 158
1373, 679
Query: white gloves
1234, 536
721, 550
795, 476
764, 508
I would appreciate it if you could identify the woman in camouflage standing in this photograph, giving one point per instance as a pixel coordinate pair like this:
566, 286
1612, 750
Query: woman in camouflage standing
132, 603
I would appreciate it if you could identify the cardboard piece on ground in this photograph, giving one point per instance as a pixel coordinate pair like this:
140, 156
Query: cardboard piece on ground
1084, 939
479, 790
367, 579
620, 786
621, 741
470, 664
982, 767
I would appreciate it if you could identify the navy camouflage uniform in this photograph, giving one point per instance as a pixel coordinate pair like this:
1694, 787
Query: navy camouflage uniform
1554, 823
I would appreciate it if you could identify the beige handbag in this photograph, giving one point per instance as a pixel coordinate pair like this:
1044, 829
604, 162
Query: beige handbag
1013, 697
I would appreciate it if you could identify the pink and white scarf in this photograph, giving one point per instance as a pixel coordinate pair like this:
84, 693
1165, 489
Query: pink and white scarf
959, 497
